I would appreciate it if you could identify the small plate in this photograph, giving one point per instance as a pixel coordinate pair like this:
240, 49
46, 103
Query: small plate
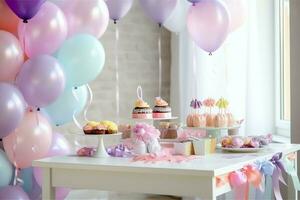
242, 150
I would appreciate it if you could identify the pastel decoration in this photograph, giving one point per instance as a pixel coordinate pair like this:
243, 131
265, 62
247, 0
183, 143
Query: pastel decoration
71, 102
118, 9
25, 9
277, 175
82, 57
13, 192
222, 103
8, 20
11, 55
238, 11
6, 170
158, 10
195, 104
46, 31
30, 141
209, 102
208, 24
120, 150
12, 109
90, 17
41, 80
291, 171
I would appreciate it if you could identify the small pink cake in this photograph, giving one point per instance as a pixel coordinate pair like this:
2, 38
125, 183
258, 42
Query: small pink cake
221, 120
210, 120
196, 120
161, 109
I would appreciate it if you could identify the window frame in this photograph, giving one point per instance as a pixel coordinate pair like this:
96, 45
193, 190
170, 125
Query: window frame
282, 127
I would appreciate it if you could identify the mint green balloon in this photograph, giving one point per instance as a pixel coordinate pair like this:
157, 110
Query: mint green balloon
62, 110
82, 57
6, 170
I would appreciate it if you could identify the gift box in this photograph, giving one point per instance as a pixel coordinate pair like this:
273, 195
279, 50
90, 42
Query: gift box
184, 148
204, 146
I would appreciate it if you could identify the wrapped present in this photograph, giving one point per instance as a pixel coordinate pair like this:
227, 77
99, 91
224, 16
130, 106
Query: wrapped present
204, 146
184, 148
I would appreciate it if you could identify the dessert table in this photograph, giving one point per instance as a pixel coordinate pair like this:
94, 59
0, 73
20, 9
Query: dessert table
195, 178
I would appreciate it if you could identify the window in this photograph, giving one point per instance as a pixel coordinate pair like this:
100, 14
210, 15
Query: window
283, 105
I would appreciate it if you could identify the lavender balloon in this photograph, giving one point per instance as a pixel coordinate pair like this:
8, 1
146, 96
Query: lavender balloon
13, 192
41, 80
25, 9
118, 9
158, 10
12, 108
208, 24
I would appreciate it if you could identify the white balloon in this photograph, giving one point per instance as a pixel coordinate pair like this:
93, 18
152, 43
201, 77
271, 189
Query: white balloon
177, 20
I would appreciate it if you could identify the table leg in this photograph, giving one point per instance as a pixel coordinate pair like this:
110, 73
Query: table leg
48, 192
292, 194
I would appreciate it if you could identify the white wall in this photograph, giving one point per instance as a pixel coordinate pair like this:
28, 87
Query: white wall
138, 64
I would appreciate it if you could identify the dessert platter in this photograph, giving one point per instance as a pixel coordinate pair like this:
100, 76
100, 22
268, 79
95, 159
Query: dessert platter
102, 129
247, 144
208, 119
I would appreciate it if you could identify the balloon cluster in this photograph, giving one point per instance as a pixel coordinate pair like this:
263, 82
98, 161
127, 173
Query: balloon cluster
49, 52
208, 21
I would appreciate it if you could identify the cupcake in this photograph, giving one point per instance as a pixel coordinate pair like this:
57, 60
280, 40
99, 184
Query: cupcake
141, 110
237, 142
95, 128
125, 129
209, 103
161, 109
111, 126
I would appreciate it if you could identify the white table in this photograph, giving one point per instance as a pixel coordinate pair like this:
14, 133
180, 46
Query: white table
196, 178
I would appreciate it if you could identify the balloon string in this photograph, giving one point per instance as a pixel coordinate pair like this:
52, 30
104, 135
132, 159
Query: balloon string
194, 69
159, 63
14, 159
24, 45
90, 102
37, 117
226, 68
75, 111
117, 75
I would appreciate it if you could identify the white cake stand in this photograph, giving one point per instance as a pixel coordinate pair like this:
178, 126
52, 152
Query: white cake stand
101, 150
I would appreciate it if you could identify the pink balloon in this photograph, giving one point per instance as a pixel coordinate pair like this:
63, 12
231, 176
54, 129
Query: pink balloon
30, 141
208, 24
90, 17
238, 11
11, 56
45, 32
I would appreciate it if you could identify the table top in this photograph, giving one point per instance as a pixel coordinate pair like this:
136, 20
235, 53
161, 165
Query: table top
210, 165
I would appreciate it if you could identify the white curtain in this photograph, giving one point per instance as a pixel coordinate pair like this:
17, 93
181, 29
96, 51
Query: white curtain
242, 71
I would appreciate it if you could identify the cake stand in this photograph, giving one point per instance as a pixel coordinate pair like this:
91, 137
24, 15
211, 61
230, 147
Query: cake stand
213, 131
101, 150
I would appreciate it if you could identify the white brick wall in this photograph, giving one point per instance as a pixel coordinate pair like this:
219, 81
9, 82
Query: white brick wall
138, 64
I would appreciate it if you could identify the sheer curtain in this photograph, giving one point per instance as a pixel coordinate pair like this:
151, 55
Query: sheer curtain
242, 71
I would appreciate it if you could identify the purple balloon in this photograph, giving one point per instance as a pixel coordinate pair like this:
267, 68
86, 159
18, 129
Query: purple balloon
208, 24
25, 9
41, 80
118, 9
12, 108
13, 192
158, 10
